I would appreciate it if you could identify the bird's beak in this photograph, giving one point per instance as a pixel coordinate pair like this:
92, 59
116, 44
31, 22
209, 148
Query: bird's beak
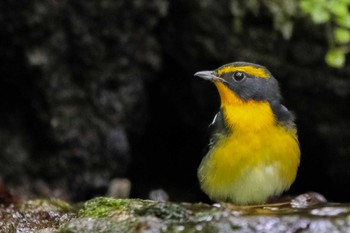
226, 94
209, 75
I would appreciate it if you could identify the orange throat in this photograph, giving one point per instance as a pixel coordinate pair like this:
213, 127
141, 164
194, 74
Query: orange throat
244, 114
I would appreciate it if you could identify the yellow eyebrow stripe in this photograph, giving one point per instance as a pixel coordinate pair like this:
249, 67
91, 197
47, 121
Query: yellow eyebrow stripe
256, 71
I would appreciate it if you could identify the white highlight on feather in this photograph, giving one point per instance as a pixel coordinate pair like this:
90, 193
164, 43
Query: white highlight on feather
214, 120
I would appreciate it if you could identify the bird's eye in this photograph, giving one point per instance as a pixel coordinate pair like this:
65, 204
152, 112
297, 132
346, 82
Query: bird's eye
238, 76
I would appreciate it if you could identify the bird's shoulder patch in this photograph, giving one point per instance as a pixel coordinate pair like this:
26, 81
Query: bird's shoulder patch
218, 128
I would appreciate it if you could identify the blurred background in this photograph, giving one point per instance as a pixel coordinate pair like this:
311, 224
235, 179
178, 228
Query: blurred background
95, 95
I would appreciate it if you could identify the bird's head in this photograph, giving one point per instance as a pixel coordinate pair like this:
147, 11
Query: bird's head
239, 82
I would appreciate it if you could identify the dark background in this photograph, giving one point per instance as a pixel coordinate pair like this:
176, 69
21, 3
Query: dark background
94, 90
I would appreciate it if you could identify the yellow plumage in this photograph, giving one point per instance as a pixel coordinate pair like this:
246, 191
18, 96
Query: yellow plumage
256, 158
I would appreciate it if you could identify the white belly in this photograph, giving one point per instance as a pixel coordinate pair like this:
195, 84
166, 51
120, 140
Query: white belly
257, 185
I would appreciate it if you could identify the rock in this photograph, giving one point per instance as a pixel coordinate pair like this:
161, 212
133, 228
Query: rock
104, 215
35, 216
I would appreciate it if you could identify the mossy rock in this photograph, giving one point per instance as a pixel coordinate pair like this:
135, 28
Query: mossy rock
108, 215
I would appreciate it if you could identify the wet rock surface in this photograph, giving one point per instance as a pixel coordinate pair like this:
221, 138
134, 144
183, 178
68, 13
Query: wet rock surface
35, 216
135, 215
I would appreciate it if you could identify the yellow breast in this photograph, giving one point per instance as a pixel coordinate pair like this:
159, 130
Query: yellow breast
257, 159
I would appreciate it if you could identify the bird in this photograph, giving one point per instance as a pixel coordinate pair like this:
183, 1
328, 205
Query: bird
254, 152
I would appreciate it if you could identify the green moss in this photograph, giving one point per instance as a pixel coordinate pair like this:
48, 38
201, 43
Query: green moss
101, 207
103, 214
47, 205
